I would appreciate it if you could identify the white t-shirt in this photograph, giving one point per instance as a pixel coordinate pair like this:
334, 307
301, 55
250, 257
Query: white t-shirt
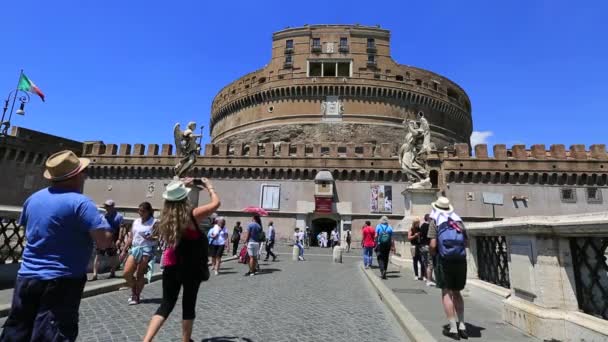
334, 235
141, 229
220, 240
300, 236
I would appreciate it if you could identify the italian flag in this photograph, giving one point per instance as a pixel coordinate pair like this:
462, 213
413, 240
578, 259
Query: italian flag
26, 84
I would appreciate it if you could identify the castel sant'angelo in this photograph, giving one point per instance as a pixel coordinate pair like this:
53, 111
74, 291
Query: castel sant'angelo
314, 136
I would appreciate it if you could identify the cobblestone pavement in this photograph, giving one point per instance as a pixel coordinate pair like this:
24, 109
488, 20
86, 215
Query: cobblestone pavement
483, 311
313, 300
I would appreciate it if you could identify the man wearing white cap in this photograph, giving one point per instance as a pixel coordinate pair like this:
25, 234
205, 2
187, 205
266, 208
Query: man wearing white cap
60, 227
114, 220
449, 240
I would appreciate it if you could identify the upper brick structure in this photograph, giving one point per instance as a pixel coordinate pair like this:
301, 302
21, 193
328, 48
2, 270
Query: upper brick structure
337, 83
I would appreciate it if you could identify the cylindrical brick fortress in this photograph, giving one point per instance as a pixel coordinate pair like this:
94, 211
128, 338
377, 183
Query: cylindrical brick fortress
337, 83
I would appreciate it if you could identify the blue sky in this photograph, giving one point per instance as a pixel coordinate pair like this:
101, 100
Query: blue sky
126, 71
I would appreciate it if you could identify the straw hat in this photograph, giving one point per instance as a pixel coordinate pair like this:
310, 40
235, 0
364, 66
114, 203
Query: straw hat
443, 204
176, 191
64, 165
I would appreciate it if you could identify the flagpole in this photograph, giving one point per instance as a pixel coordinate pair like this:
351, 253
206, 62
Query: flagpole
10, 116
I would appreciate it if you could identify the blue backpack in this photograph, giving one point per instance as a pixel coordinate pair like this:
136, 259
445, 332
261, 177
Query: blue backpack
451, 241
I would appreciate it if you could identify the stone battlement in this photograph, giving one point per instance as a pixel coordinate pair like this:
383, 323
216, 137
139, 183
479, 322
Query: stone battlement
265, 150
535, 152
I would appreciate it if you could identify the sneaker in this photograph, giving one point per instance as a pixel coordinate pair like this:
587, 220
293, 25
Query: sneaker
463, 334
452, 335
251, 274
300, 258
216, 272
93, 278
416, 278
430, 283
133, 300
247, 274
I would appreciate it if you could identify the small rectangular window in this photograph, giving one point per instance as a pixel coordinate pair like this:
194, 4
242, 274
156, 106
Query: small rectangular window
314, 69
371, 43
594, 195
371, 58
399, 78
329, 69
568, 195
289, 44
343, 42
344, 69
270, 196
316, 42
288, 59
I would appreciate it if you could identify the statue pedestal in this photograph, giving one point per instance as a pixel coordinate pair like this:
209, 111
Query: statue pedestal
417, 204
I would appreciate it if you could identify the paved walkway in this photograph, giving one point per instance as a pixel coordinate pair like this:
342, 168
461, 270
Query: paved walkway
482, 309
313, 300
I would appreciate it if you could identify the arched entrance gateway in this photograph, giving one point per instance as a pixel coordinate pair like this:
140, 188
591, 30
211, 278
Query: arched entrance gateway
322, 224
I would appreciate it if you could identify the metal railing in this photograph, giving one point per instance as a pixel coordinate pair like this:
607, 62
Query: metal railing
492, 260
12, 235
589, 257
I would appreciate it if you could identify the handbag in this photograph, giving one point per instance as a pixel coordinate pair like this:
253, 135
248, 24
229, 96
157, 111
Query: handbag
204, 250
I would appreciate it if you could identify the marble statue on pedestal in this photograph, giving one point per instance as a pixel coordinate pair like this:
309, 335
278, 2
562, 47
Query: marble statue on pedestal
415, 150
187, 147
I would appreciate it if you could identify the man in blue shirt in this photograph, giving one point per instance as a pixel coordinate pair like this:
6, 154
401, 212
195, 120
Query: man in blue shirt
60, 226
114, 219
384, 244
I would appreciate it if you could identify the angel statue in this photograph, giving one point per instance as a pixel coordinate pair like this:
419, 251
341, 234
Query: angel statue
415, 150
187, 147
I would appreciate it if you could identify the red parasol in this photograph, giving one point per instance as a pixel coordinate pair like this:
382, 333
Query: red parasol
256, 210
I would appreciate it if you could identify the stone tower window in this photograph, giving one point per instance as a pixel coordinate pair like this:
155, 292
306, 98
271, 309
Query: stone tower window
453, 94
315, 69
594, 195
330, 68
316, 45
399, 78
568, 195
289, 44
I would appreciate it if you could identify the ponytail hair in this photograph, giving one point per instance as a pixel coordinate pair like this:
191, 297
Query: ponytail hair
257, 219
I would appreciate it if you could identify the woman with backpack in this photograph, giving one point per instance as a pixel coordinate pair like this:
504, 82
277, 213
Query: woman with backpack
185, 258
384, 244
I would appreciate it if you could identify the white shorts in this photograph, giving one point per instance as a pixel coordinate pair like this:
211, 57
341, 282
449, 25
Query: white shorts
253, 249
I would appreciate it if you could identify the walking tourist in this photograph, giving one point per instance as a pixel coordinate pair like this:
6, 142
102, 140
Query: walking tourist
324, 239
253, 239
425, 254
185, 258
61, 225
217, 242
270, 242
307, 238
348, 241
335, 238
413, 236
297, 239
236, 237
449, 240
384, 244
114, 219
368, 243
142, 242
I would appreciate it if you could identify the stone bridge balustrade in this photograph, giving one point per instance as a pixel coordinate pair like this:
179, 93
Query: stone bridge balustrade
554, 268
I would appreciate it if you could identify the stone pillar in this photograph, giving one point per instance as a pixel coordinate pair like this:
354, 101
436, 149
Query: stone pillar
337, 255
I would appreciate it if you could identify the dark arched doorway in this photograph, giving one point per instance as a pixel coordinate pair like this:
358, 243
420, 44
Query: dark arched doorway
319, 225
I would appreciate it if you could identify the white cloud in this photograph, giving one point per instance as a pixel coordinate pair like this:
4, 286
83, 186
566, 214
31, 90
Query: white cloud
480, 137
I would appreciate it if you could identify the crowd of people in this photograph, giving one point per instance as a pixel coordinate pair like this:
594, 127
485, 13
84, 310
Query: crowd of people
438, 246
51, 279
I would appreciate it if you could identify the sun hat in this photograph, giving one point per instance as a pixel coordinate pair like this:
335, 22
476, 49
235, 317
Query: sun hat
384, 220
109, 203
175, 191
442, 204
64, 165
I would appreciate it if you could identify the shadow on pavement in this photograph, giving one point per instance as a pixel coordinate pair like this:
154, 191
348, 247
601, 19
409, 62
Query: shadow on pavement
268, 270
228, 272
227, 339
151, 301
472, 330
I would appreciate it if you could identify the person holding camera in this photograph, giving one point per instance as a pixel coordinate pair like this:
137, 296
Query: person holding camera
185, 258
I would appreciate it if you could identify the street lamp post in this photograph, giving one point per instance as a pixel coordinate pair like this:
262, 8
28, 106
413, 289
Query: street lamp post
20, 95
